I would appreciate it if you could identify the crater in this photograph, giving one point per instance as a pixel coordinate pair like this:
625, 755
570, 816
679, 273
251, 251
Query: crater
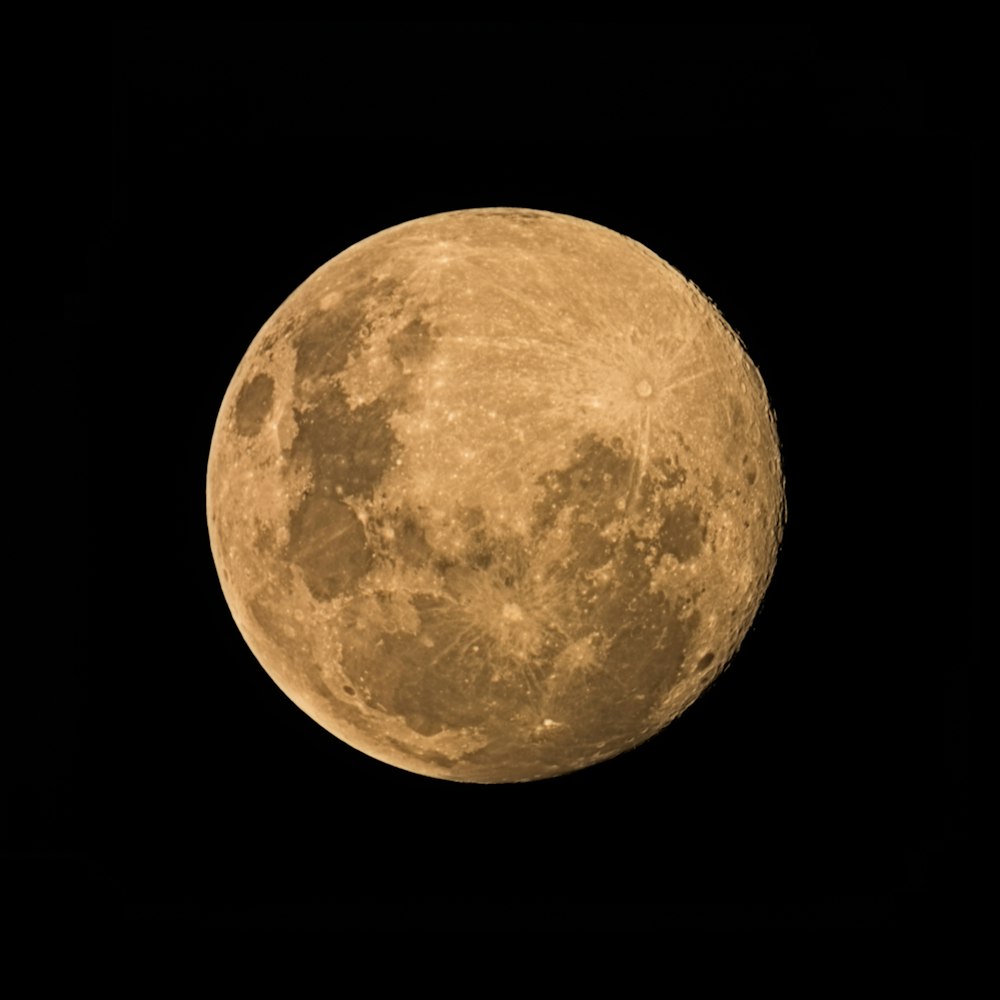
667, 474
643, 389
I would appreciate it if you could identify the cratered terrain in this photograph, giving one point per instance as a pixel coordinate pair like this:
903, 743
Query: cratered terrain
495, 494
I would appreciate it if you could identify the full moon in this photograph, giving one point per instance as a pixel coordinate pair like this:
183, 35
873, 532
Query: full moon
495, 494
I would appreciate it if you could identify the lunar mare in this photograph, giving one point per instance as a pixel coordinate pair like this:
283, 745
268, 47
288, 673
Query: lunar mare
495, 494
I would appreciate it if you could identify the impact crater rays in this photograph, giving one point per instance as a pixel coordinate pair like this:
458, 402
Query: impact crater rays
545, 388
507, 483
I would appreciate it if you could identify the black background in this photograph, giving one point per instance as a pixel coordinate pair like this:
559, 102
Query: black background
823, 190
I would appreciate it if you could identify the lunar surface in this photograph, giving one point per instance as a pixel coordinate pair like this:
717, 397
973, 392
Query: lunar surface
495, 494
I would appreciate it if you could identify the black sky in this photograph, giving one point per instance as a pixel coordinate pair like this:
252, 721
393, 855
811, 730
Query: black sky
823, 187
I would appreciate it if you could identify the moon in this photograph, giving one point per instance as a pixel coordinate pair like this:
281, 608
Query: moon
495, 494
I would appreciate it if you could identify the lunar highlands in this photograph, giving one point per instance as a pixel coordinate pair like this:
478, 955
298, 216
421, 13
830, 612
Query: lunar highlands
495, 494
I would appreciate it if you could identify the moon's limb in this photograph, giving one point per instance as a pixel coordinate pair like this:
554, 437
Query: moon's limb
495, 494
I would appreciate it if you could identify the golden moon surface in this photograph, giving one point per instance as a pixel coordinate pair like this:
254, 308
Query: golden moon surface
495, 494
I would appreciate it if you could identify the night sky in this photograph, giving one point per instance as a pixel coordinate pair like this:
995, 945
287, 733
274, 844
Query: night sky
823, 191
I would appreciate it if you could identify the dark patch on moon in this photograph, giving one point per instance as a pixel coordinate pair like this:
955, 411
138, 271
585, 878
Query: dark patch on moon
682, 532
596, 480
412, 547
264, 541
270, 619
347, 451
325, 339
648, 649
422, 678
503, 555
327, 543
624, 593
646, 638
737, 414
641, 662
254, 404
438, 690
413, 344
666, 474
591, 549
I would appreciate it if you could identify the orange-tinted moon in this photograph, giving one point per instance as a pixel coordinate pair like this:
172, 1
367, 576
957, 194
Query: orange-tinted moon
495, 494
